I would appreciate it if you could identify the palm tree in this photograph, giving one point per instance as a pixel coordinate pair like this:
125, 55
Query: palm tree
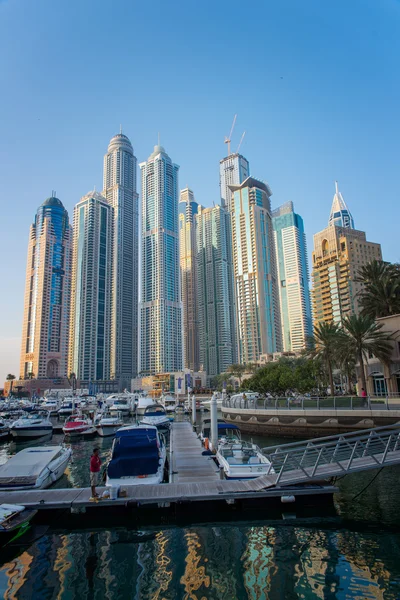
362, 337
380, 294
325, 344
10, 377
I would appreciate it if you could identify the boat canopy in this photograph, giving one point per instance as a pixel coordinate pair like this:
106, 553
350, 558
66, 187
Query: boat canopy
135, 453
26, 466
154, 410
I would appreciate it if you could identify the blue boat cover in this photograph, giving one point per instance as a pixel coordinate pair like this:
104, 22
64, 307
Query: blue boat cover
227, 426
135, 453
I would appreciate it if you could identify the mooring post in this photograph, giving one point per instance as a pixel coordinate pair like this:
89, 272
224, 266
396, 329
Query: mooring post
193, 410
214, 422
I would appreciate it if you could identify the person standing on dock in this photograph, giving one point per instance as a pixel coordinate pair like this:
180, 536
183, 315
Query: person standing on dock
95, 464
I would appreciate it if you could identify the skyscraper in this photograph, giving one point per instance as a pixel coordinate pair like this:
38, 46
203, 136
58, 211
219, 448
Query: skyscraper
161, 306
187, 247
255, 275
339, 251
90, 333
214, 293
292, 267
119, 185
45, 329
233, 170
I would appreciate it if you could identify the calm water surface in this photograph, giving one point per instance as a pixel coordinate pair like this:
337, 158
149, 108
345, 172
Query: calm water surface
356, 555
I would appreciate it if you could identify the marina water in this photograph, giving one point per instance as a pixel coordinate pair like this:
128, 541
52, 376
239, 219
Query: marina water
352, 554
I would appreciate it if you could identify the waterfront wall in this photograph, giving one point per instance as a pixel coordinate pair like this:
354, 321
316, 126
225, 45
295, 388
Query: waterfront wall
307, 423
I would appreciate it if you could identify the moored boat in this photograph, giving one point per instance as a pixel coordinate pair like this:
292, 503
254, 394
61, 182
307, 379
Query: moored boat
14, 521
122, 405
79, 425
138, 457
155, 414
52, 405
168, 402
106, 425
143, 402
227, 432
32, 425
242, 460
34, 468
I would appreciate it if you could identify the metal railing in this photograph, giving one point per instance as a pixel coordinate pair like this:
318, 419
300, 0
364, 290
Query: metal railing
313, 403
322, 458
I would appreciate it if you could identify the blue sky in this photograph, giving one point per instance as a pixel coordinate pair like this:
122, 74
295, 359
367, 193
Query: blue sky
315, 84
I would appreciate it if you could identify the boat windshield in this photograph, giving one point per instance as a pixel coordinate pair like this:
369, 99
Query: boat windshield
154, 411
120, 402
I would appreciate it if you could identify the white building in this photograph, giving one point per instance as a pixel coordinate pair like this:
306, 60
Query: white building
119, 185
161, 306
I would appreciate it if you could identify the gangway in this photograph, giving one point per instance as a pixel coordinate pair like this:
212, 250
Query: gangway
323, 458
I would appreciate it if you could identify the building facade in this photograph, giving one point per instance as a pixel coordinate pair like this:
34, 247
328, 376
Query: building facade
233, 170
339, 252
214, 290
187, 247
120, 191
292, 271
91, 289
161, 306
45, 331
255, 275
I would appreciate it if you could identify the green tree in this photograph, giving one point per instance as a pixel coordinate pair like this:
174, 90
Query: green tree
238, 371
363, 336
324, 346
380, 293
10, 377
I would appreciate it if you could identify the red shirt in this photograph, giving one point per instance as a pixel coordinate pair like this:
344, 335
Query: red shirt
95, 463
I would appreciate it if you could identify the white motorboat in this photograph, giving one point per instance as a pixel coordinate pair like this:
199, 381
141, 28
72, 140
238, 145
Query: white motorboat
79, 425
67, 407
14, 521
168, 402
138, 457
227, 432
122, 405
242, 460
143, 401
155, 415
34, 468
106, 425
52, 405
4, 429
32, 425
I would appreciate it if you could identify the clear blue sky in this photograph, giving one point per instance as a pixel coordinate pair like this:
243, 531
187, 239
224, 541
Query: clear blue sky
316, 85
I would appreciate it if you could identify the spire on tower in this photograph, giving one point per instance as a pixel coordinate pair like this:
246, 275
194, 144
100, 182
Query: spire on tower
340, 215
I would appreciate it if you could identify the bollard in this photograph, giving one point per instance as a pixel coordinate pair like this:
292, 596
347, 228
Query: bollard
193, 409
214, 422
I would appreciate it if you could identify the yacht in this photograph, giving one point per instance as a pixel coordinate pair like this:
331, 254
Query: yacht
138, 457
155, 414
32, 425
67, 407
122, 405
242, 460
143, 402
106, 425
34, 468
168, 402
78, 425
51, 405
227, 432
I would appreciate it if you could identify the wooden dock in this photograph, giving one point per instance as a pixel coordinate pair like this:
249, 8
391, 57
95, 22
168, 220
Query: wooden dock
188, 465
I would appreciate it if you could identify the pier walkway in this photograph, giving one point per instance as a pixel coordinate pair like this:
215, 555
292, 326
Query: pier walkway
187, 462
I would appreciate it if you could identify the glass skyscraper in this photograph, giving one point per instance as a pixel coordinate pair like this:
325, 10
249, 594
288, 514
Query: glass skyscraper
47, 294
187, 246
255, 275
120, 191
214, 290
161, 306
90, 334
233, 170
292, 266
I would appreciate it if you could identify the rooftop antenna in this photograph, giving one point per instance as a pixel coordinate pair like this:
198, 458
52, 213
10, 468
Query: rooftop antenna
120, 128
240, 143
158, 138
228, 139
336, 187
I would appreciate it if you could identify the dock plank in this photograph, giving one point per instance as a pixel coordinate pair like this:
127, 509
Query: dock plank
188, 463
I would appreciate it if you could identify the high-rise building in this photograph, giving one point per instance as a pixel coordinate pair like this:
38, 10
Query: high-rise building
120, 191
233, 170
255, 275
187, 248
292, 267
339, 252
90, 329
45, 331
161, 306
214, 290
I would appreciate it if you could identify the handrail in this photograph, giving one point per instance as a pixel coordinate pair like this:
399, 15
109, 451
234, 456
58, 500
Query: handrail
336, 403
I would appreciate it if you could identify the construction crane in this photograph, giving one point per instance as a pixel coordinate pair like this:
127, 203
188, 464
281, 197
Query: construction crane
228, 139
240, 143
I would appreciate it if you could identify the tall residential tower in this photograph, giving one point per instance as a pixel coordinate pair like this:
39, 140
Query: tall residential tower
45, 329
292, 267
90, 333
119, 185
161, 306
255, 276
187, 247
339, 252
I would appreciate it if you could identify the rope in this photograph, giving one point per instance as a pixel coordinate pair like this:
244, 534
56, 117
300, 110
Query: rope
367, 486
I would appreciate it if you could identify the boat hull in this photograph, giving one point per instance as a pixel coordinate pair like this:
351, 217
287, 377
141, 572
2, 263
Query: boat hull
54, 472
30, 432
107, 430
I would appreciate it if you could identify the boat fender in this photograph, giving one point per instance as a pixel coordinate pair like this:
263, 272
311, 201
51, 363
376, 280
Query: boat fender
206, 444
53, 476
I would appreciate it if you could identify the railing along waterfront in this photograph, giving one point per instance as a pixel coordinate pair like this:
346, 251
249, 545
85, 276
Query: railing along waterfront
334, 455
314, 403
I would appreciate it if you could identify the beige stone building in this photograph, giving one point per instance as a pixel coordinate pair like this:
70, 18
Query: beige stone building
339, 251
